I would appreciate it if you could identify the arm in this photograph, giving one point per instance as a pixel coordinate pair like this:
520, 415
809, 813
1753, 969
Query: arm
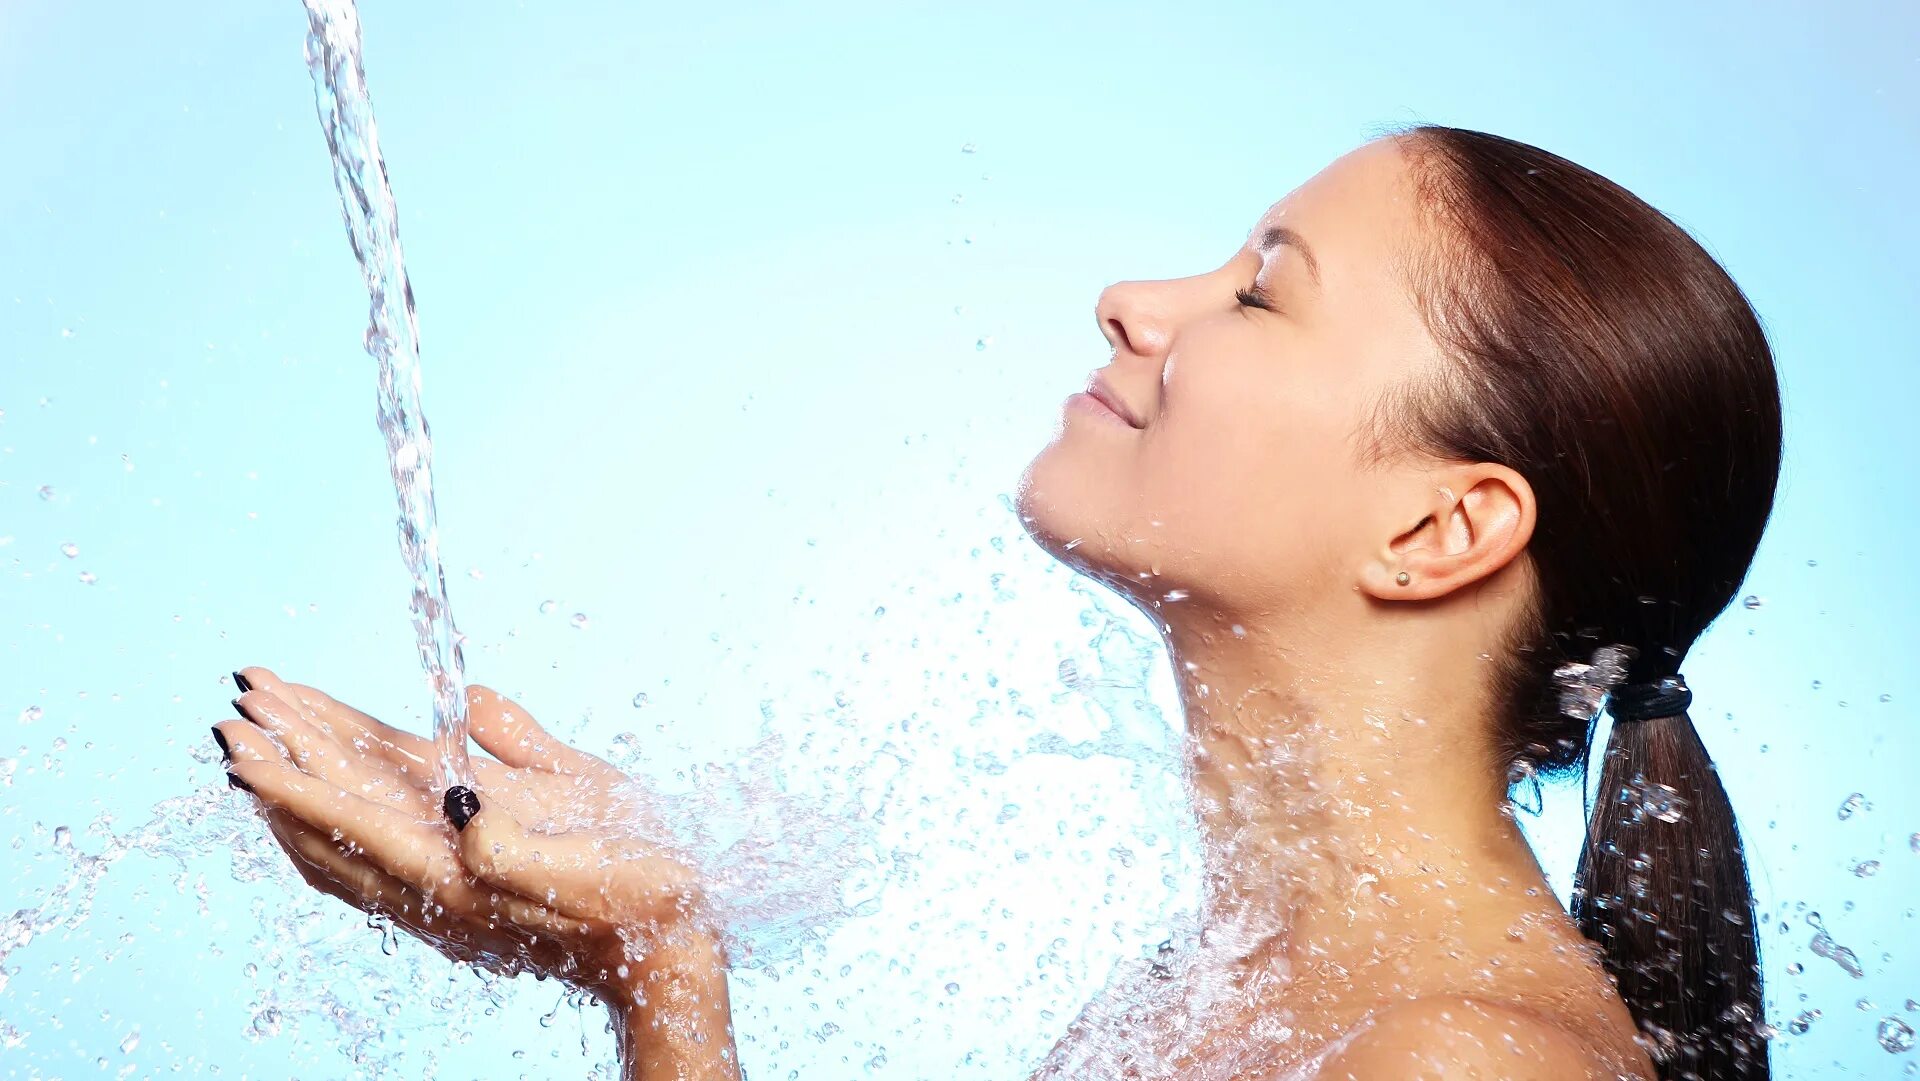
582, 896
1456, 1038
673, 1019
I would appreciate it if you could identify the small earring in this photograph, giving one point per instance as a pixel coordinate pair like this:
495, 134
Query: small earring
1402, 578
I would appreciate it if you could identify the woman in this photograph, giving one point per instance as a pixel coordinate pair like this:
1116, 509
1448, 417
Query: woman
1458, 419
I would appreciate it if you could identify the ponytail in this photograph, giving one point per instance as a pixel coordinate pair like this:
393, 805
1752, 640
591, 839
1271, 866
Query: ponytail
1662, 888
1598, 350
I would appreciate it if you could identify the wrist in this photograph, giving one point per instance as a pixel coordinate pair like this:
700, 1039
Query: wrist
671, 1011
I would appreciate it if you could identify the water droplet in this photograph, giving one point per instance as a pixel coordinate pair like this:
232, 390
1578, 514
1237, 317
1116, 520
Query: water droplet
1648, 799
579, 621
475, 573
953, 988
1913, 842
967, 148
46, 491
1853, 805
1796, 968
34, 713
70, 550
1824, 946
1753, 600
1896, 1035
640, 700
980, 345
1069, 672
133, 1040
548, 606
1176, 595
1802, 1022
1866, 868
87, 578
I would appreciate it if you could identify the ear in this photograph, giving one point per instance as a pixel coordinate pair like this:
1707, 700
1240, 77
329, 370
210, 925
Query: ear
1477, 519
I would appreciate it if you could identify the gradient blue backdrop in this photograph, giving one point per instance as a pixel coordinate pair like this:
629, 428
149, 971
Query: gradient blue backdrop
729, 344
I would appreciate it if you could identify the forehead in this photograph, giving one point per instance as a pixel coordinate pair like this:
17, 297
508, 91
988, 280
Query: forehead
1349, 214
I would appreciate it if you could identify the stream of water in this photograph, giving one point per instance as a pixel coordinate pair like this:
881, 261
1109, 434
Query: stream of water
393, 340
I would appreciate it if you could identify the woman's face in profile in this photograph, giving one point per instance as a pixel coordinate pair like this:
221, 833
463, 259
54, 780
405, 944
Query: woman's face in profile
1237, 480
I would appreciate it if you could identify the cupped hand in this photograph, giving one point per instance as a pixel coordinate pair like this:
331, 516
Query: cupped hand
544, 868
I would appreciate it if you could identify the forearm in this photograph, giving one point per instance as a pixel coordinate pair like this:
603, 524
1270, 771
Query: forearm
675, 1022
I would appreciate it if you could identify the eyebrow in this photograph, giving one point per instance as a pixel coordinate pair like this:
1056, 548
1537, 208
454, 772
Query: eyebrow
1280, 234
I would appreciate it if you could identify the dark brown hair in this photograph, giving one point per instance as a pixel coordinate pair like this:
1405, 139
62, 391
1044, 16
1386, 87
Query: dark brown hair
1599, 351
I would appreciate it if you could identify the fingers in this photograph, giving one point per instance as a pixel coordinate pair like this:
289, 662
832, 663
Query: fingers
411, 755
510, 734
403, 748
256, 678
583, 875
242, 741
340, 762
304, 743
395, 842
365, 887
340, 721
349, 878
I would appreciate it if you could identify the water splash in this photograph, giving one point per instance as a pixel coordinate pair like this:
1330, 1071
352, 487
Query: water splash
1823, 945
393, 340
304, 963
1584, 687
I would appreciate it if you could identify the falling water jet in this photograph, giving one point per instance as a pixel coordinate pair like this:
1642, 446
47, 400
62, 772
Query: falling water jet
393, 340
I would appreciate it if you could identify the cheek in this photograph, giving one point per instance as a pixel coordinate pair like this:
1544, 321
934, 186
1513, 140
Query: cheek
1248, 470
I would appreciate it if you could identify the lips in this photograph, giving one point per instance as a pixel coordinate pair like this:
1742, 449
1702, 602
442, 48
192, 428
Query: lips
1100, 391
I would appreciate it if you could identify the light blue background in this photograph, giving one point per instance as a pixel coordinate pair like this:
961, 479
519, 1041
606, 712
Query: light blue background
728, 344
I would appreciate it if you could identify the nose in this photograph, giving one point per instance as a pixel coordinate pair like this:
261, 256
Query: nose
1132, 319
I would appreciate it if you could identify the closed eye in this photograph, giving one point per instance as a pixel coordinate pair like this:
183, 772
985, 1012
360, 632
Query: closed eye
1255, 297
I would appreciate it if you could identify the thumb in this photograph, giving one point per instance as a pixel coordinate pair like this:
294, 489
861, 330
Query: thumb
500, 851
581, 875
509, 733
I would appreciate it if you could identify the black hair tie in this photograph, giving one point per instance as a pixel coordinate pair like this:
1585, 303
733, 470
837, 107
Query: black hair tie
1667, 697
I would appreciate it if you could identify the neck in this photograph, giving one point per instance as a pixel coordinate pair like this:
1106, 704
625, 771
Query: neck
1341, 790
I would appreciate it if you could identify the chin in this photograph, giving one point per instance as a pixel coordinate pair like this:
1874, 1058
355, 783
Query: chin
1074, 520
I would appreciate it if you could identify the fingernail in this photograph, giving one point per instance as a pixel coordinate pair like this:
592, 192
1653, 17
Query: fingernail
225, 751
240, 681
242, 711
461, 805
234, 780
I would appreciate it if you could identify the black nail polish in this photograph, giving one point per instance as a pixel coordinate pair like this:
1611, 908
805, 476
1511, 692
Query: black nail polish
234, 780
461, 805
225, 751
242, 711
240, 681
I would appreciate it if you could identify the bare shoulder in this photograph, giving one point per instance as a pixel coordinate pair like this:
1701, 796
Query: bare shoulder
1457, 1038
